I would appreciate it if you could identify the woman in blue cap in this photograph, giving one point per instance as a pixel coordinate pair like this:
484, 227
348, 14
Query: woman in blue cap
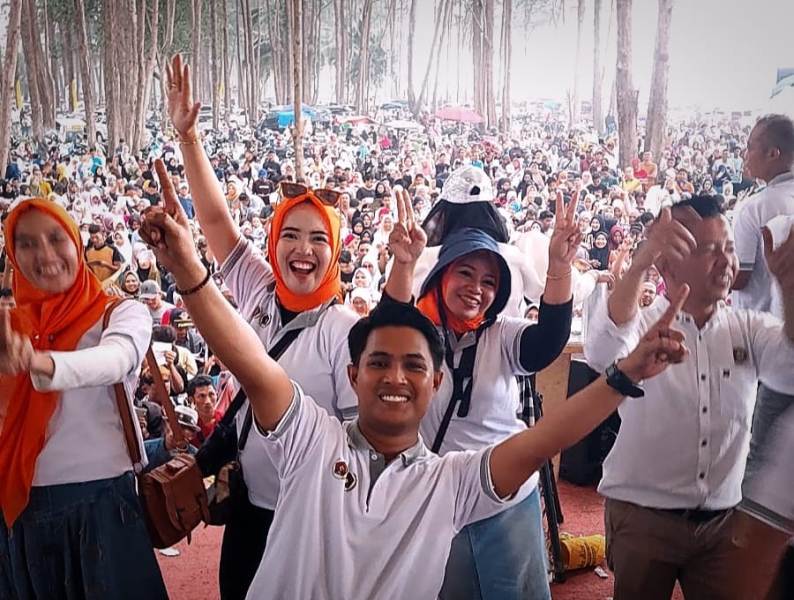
477, 404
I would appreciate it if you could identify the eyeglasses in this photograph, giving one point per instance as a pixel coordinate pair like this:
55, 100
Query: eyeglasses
327, 196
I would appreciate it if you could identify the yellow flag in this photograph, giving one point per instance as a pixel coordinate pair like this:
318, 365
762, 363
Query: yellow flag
19, 94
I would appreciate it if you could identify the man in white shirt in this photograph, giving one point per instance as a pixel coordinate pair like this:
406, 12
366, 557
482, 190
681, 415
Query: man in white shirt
770, 158
675, 472
365, 510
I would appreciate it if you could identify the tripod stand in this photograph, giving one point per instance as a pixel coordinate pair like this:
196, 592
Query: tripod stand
532, 411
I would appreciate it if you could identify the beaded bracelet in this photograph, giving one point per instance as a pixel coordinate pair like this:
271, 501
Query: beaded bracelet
195, 289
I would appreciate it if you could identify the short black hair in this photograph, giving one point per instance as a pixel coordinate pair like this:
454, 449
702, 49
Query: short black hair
94, 228
778, 132
199, 381
708, 207
394, 314
163, 333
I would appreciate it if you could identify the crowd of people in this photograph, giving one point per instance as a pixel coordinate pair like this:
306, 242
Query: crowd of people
362, 328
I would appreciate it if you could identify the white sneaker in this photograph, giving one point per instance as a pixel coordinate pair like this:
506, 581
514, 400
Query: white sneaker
169, 552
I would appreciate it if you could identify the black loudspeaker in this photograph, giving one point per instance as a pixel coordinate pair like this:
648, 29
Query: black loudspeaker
581, 464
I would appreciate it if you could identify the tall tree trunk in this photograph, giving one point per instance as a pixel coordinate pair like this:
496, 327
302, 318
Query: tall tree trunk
139, 91
626, 94
241, 101
363, 62
85, 69
656, 123
574, 116
165, 55
598, 116
432, 57
49, 58
68, 54
195, 21
31, 69
507, 53
477, 56
8, 78
252, 61
216, 96
110, 72
227, 92
490, 96
410, 81
297, 85
42, 72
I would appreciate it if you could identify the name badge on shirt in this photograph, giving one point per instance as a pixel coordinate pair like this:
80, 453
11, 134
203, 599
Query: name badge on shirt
739, 355
342, 471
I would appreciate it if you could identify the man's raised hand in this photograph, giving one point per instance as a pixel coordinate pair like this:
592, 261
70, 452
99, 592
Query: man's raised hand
781, 260
669, 237
407, 239
661, 346
167, 232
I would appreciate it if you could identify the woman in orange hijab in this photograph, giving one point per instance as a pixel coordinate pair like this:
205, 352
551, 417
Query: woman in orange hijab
72, 525
298, 287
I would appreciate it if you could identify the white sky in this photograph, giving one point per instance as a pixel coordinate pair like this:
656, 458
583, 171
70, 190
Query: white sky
723, 53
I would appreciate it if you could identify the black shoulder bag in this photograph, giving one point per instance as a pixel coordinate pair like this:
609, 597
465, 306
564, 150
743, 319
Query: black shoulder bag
462, 382
219, 455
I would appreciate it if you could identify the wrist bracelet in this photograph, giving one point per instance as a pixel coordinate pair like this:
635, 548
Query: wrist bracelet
186, 142
195, 289
550, 277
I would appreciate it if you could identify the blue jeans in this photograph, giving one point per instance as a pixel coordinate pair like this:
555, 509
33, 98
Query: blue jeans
500, 558
769, 406
80, 541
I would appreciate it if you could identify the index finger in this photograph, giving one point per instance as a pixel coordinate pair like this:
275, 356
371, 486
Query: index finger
676, 304
559, 208
768, 243
400, 207
572, 207
172, 206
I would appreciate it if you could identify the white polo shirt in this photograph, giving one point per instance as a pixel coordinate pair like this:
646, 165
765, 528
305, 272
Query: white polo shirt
85, 438
685, 444
777, 198
770, 497
317, 359
348, 525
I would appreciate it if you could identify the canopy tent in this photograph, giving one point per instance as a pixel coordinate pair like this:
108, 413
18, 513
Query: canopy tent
459, 113
285, 115
401, 124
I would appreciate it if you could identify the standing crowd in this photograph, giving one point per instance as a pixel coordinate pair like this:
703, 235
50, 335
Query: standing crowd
360, 333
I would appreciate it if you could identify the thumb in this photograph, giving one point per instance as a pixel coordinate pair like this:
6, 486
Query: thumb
768, 243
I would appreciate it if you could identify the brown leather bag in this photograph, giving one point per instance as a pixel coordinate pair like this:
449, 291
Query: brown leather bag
173, 495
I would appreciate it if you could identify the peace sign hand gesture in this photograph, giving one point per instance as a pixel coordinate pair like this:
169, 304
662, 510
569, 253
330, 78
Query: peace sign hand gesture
566, 237
181, 108
660, 347
407, 239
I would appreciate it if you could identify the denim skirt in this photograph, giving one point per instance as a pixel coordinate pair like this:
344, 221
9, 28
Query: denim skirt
80, 541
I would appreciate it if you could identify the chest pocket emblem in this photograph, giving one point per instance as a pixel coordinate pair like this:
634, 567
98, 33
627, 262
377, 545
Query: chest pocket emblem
739, 355
350, 481
340, 469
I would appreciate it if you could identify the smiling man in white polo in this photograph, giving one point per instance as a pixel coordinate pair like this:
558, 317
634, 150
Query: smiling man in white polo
365, 510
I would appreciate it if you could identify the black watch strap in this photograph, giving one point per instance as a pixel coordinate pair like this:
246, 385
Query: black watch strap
618, 380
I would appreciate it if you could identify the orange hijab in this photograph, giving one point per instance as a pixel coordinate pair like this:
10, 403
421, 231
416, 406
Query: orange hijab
331, 284
52, 322
429, 307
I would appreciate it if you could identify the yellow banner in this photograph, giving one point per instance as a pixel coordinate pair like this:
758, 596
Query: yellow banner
19, 94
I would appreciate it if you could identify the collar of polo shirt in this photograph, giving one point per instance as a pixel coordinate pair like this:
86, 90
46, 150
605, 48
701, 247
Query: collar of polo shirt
357, 441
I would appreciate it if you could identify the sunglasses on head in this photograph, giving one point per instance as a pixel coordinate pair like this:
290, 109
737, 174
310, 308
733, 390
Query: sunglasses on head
291, 190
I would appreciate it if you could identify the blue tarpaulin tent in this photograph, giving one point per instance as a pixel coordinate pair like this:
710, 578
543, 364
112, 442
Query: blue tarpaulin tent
285, 115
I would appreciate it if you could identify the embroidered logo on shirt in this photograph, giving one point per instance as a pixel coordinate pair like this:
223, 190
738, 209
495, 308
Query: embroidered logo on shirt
350, 481
739, 355
340, 469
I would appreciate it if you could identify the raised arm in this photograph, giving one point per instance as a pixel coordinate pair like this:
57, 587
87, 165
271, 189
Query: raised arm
213, 214
231, 339
514, 460
781, 264
668, 237
565, 240
406, 241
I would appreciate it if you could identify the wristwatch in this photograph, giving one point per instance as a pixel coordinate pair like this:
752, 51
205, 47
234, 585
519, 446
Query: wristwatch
618, 380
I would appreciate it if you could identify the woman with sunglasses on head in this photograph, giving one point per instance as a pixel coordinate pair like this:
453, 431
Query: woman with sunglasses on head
465, 294
298, 289
72, 525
